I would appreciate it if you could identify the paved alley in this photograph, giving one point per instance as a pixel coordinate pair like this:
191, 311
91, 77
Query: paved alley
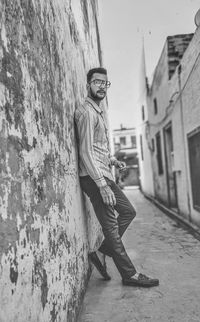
158, 248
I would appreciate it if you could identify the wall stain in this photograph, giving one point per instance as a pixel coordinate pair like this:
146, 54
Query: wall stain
85, 14
8, 235
44, 289
18, 144
57, 239
73, 30
53, 312
43, 67
11, 77
14, 272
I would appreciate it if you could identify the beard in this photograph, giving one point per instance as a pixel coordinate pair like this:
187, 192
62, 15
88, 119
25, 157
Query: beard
98, 95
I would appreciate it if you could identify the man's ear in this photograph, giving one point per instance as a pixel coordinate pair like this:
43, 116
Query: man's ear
88, 87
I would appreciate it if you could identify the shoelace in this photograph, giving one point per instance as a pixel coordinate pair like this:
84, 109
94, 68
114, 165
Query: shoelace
143, 277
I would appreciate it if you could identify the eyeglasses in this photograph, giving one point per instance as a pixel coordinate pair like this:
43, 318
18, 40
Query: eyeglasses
101, 83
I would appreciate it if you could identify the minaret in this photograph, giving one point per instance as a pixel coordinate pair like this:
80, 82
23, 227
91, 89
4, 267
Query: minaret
143, 82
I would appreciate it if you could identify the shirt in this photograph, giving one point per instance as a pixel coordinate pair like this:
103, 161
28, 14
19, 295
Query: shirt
93, 142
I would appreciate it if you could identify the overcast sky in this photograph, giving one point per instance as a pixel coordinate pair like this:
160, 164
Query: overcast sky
123, 23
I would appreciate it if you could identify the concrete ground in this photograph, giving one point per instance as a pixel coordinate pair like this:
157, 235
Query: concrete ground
160, 248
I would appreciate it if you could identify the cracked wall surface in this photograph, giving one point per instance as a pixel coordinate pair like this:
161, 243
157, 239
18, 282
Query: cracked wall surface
46, 48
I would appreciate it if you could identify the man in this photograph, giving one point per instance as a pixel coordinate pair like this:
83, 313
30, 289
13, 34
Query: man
97, 181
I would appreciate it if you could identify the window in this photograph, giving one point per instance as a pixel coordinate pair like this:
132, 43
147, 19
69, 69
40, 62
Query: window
141, 147
133, 141
155, 106
122, 140
143, 114
194, 157
159, 153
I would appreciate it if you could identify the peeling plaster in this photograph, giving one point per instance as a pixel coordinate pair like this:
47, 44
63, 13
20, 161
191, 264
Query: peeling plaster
3, 37
46, 49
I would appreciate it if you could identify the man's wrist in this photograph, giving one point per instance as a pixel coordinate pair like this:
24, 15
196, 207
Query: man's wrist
113, 160
104, 186
101, 182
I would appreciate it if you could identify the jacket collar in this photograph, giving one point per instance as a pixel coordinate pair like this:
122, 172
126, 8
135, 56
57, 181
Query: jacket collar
94, 105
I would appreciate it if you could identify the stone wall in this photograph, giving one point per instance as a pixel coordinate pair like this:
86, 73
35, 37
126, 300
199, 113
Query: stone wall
46, 47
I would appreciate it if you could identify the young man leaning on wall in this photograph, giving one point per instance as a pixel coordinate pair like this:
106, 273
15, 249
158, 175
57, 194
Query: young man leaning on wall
97, 182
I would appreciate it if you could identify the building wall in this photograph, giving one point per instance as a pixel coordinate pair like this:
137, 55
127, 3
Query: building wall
46, 47
143, 137
190, 87
152, 183
178, 105
158, 91
145, 161
127, 134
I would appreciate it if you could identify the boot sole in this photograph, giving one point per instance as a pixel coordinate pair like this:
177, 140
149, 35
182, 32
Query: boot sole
127, 283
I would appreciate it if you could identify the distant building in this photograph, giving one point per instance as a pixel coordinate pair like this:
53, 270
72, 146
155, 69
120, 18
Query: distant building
124, 138
125, 145
169, 131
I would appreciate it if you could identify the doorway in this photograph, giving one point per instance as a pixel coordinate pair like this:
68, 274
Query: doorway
194, 157
170, 174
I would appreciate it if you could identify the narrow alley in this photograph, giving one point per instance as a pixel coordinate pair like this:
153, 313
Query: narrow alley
160, 248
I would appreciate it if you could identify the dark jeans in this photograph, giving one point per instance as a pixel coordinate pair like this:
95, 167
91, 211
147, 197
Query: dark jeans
113, 227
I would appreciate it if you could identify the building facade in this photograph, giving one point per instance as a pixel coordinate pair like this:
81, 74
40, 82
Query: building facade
125, 146
124, 138
169, 132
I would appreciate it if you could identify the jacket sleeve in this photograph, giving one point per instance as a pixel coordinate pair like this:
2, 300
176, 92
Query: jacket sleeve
85, 127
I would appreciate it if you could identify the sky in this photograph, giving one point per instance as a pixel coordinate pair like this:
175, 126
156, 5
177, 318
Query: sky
123, 25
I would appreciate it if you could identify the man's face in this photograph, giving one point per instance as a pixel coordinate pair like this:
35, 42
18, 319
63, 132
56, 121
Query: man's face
97, 86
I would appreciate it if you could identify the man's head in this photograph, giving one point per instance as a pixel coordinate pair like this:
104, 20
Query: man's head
97, 83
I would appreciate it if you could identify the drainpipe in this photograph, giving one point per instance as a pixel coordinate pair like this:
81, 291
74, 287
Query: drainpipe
183, 137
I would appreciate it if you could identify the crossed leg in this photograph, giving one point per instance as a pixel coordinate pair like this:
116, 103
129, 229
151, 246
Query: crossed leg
113, 228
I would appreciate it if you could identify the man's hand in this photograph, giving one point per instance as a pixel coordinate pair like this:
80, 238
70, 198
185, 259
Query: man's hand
120, 165
108, 196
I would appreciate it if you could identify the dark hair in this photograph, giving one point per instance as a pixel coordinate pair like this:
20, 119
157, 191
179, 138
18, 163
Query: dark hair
99, 70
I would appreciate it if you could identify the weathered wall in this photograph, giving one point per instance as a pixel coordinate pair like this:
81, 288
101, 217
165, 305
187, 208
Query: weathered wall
46, 47
177, 45
190, 87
